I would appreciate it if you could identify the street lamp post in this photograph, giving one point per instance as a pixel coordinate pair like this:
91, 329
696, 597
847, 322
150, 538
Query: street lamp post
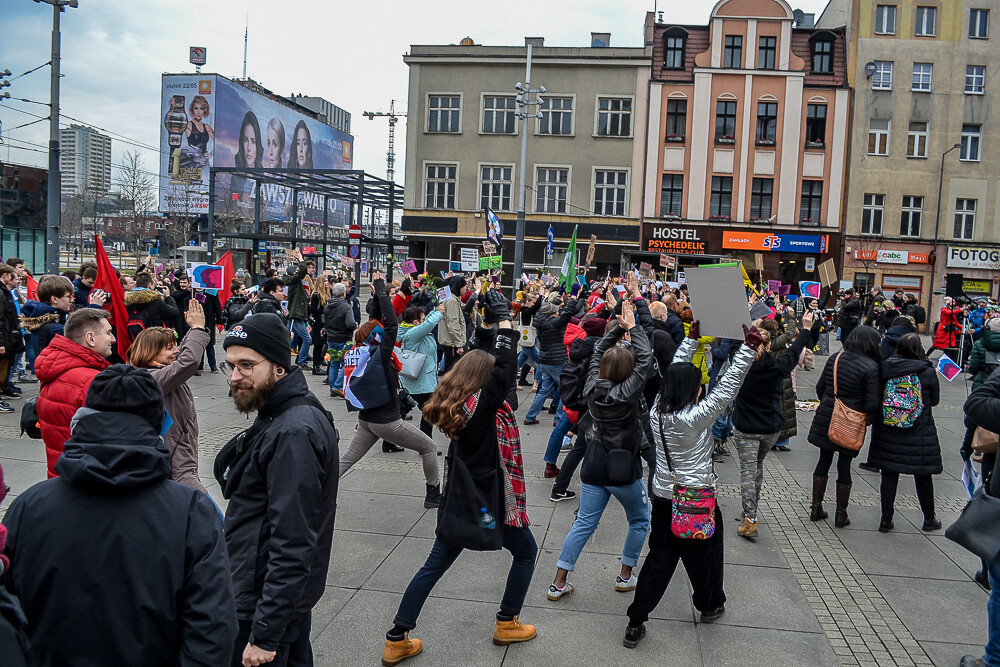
937, 228
55, 186
524, 104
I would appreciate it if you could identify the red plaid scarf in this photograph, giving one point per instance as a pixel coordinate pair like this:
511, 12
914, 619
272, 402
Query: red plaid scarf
509, 444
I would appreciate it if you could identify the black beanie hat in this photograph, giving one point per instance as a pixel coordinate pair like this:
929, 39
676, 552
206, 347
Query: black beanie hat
264, 333
124, 388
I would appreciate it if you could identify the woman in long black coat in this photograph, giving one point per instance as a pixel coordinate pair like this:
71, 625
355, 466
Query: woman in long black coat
860, 388
914, 450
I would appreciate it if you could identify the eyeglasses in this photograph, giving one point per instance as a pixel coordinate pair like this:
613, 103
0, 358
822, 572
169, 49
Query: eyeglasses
244, 367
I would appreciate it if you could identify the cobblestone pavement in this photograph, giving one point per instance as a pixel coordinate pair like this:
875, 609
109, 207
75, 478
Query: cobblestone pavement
802, 593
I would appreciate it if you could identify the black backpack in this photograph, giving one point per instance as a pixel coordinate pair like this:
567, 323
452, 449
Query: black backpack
138, 321
571, 383
919, 315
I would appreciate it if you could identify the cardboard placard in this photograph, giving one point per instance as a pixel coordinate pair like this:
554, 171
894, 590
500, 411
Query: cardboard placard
663, 260
759, 311
591, 249
207, 276
454, 266
408, 267
489, 247
774, 286
723, 288
645, 269
758, 261
827, 273
489, 262
444, 294
469, 258
810, 264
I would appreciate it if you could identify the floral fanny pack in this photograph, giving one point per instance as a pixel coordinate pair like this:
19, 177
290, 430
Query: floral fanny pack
693, 507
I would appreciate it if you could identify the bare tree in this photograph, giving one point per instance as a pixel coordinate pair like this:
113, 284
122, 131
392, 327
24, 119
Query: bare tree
137, 190
866, 250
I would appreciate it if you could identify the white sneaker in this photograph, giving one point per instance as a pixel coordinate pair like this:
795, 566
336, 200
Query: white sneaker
567, 443
626, 585
556, 593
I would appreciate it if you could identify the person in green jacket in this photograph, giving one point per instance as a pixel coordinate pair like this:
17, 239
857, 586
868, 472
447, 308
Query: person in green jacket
985, 355
298, 307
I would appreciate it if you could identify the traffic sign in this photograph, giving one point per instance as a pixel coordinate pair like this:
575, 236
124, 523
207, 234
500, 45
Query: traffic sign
354, 232
353, 251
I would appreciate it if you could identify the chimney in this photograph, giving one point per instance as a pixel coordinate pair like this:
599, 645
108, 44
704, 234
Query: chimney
600, 40
534, 41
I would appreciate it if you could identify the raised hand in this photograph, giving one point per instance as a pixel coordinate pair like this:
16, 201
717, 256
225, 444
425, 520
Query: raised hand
627, 319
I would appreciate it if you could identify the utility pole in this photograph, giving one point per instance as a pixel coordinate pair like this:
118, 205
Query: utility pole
937, 229
524, 112
55, 185
390, 156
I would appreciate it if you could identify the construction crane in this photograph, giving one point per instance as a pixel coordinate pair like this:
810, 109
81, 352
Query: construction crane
390, 156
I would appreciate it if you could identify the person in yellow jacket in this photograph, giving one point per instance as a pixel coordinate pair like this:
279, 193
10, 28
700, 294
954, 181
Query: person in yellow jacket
687, 316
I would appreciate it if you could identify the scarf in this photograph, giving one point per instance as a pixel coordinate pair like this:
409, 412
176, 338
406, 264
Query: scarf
509, 445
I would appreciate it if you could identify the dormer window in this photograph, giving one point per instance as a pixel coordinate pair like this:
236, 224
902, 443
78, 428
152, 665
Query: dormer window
674, 43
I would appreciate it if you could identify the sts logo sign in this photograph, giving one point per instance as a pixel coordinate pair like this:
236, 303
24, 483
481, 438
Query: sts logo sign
772, 242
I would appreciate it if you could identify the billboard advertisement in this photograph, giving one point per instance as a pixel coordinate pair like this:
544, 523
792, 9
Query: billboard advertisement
249, 130
740, 240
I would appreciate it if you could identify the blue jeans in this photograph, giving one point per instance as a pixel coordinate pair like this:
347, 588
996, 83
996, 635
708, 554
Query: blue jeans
301, 338
593, 500
781, 443
723, 426
527, 353
29, 351
15, 367
547, 376
335, 371
992, 654
518, 541
562, 427
210, 353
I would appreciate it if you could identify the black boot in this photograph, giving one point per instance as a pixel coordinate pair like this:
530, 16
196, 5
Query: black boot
317, 370
840, 518
390, 448
816, 511
433, 497
522, 378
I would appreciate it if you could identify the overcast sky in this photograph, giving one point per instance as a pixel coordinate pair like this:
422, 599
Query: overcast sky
350, 53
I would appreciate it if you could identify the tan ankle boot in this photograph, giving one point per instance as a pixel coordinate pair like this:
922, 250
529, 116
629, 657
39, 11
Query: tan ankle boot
508, 632
748, 529
396, 652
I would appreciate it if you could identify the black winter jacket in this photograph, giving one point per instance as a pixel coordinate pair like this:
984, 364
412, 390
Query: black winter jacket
860, 388
573, 378
235, 310
550, 330
338, 320
982, 408
161, 311
279, 522
664, 345
850, 313
757, 408
675, 327
115, 563
268, 304
914, 450
614, 419
892, 336
389, 412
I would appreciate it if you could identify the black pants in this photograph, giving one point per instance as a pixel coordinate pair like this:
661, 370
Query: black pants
570, 462
702, 560
843, 465
925, 494
425, 425
294, 653
319, 344
451, 355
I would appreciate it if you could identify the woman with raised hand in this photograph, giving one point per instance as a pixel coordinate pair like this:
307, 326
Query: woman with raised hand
470, 407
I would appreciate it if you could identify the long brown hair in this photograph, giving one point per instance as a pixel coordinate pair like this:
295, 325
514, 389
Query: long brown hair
616, 365
149, 343
469, 374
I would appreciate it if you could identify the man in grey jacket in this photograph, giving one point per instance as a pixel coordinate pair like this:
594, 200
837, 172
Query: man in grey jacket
339, 323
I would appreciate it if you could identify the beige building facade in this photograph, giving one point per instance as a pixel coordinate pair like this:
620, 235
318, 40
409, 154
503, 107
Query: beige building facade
463, 147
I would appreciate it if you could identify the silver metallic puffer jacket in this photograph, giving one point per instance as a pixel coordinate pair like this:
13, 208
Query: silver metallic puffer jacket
688, 433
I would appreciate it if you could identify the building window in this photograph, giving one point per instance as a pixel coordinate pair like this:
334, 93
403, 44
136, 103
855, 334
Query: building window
610, 188
725, 122
979, 23
495, 186
922, 75
721, 203
909, 219
498, 115
975, 79
761, 197
441, 182
673, 49
671, 193
766, 51
812, 202
552, 189
822, 56
815, 125
676, 120
557, 116
767, 122
878, 136
871, 215
882, 79
972, 143
614, 117
885, 19
965, 219
926, 22
443, 113
733, 52
916, 140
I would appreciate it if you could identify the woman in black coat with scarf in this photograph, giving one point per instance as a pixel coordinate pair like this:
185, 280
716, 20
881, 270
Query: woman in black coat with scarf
860, 388
914, 450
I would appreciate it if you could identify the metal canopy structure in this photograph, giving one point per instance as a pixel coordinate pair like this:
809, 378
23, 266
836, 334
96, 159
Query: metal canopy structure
361, 190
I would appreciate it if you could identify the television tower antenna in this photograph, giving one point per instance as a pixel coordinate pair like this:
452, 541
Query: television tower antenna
246, 34
390, 156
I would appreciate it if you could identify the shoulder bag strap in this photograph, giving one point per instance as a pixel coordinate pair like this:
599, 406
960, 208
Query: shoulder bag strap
835, 362
663, 438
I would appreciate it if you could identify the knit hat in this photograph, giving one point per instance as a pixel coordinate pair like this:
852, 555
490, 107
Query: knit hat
889, 305
548, 308
124, 388
264, 333
594, 326
993, 324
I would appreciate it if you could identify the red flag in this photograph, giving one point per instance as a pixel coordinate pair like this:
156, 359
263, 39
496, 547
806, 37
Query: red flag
228, 273
108, 281
32, 288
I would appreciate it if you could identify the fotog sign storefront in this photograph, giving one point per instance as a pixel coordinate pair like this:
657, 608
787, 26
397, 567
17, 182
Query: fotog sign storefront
964, 257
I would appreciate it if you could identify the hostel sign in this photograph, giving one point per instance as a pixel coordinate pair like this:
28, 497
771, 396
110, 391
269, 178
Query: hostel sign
675, 240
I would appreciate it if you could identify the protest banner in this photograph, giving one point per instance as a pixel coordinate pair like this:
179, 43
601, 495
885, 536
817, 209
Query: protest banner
722, 287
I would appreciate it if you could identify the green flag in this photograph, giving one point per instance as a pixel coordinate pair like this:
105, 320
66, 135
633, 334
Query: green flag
569, 264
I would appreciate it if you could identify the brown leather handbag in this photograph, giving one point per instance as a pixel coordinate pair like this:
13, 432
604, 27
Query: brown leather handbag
847, 426
985, 442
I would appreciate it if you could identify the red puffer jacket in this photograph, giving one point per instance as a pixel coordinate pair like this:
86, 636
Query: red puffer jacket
65, 370
949, 328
